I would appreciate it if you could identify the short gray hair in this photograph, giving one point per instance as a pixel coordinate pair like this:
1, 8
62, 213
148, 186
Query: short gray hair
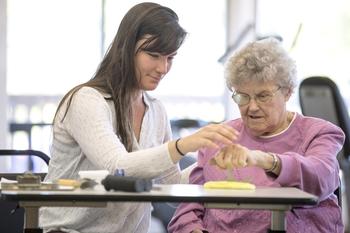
263, 61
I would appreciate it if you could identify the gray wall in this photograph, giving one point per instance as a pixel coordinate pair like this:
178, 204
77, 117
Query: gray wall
241, 14
3, 95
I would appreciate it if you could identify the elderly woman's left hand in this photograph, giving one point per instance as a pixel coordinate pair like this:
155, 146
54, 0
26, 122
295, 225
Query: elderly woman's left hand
236, 156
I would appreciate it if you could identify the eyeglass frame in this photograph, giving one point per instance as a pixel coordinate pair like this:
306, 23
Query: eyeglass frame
255, 97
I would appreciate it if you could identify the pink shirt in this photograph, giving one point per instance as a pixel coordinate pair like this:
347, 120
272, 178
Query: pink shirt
307, 150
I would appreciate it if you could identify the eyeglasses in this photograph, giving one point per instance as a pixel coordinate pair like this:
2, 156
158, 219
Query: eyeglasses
263, 97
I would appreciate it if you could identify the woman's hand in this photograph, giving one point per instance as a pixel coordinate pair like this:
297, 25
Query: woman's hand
238, 156
234, 156
212, 136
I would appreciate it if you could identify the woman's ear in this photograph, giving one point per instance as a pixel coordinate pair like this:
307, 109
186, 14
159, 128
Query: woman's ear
287, 94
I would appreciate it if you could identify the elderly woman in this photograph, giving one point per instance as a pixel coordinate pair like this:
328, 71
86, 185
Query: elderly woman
276, 147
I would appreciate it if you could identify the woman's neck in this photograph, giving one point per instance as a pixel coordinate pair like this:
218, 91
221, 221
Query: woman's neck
137, 96
138, 112
284, 125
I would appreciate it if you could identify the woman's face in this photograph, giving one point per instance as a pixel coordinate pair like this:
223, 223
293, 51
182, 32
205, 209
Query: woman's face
151, 67
265, 114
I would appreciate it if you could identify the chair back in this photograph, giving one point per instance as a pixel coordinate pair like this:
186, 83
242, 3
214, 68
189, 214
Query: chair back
11, 215
164, 211
320, 97
345, 166
185, 126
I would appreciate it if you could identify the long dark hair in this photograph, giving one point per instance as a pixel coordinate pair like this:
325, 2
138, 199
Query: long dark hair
116, 73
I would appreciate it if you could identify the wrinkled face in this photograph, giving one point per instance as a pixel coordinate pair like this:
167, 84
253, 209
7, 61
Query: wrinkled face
265, 114
151, 67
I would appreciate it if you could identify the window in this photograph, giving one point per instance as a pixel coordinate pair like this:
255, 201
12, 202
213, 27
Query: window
316, 33
195, 82
55, 45
52, 45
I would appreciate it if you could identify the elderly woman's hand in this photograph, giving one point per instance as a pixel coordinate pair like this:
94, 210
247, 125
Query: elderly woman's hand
238, 156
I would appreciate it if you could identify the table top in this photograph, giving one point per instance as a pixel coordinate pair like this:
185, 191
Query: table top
171, 193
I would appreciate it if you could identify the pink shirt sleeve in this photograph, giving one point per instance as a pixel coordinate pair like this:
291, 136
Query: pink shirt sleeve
188, 216
316, 170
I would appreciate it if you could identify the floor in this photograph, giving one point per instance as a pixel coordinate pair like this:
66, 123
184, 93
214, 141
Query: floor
156, 226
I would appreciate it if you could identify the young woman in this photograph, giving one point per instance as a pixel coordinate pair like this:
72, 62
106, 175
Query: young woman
110, 122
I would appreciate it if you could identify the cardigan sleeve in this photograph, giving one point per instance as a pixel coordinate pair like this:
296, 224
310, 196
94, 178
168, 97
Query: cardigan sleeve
89, 121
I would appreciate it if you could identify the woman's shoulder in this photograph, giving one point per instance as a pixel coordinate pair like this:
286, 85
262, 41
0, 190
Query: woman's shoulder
309, 120
90, 91
315, 124
89, 95
86, 97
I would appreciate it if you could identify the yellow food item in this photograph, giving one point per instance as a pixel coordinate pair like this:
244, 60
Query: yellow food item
68, 182
228, 185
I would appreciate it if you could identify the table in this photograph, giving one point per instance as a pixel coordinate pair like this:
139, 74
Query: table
278, 200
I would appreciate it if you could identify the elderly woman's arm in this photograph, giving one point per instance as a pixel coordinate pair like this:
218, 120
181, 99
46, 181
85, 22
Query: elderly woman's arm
314, 168
317, 169
239, 156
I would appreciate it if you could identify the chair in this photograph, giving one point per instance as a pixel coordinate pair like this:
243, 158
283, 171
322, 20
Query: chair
162, 210
320, 97
183, 126
12, 216
345, 166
